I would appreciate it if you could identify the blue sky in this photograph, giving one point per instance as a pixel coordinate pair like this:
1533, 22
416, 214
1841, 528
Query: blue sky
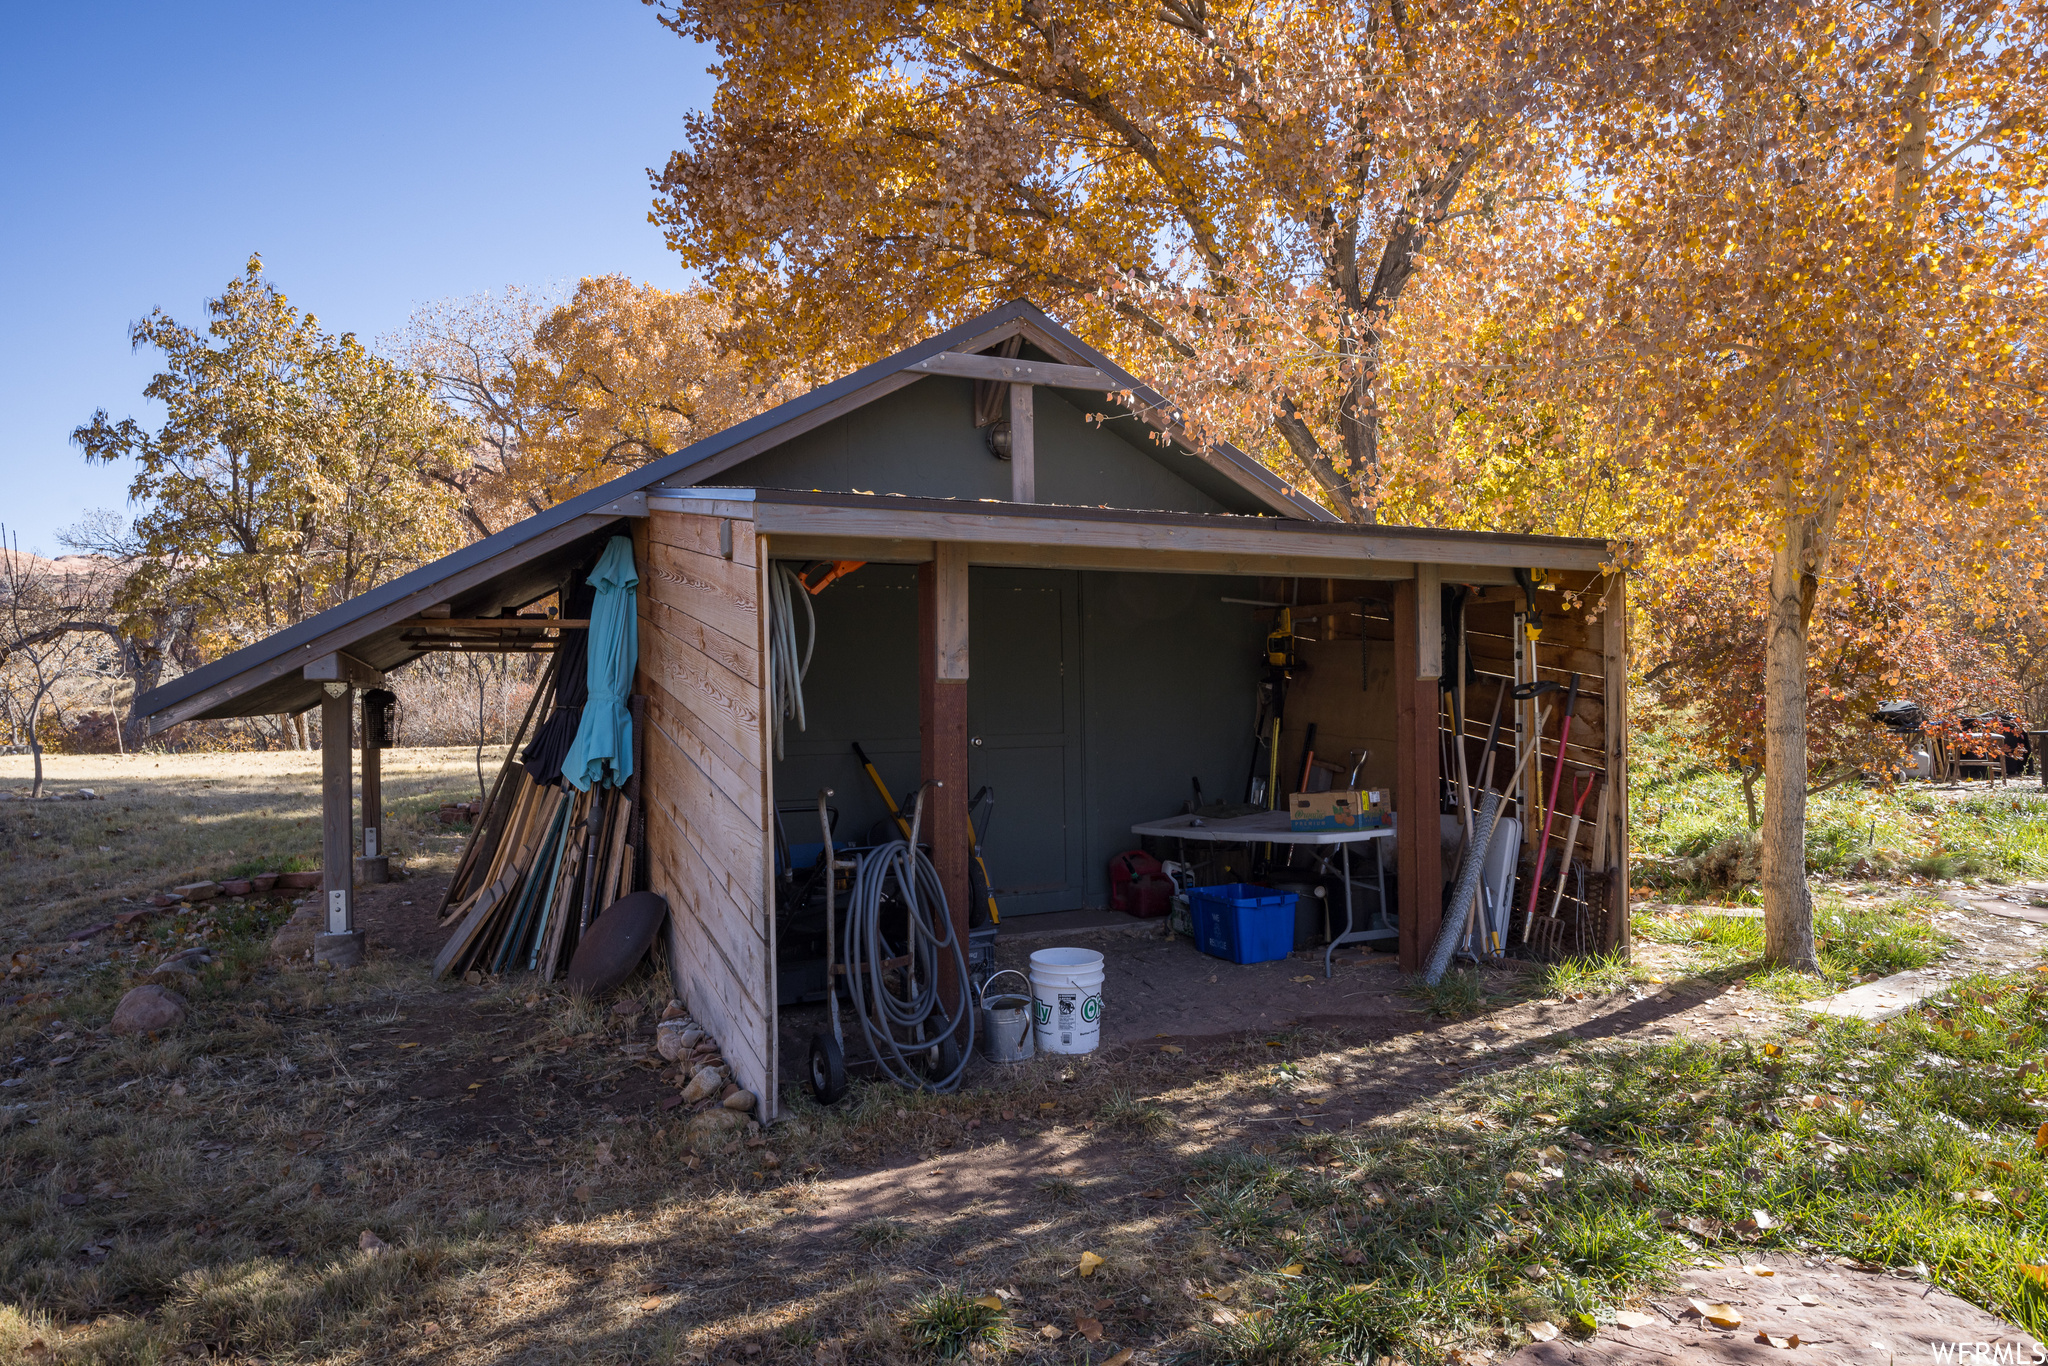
379, 155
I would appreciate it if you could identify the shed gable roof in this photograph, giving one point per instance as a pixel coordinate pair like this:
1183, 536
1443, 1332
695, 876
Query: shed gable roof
502, 571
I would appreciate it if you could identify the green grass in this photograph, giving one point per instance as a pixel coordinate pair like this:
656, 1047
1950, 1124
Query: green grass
949, 1321
1691, 837
1458, 995
1595, 976
1853, 942
1569, 1188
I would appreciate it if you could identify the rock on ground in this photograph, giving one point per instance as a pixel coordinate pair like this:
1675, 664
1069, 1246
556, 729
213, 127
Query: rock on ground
146, 1010
294, 939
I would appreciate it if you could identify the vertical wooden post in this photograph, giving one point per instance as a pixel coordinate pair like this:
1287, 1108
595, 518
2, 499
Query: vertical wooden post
1614, 686
375, 865
1418, 835
342, 945
942, 715
1023, 446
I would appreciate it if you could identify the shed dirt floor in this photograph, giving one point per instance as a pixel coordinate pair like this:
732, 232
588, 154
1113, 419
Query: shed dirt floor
373, 1166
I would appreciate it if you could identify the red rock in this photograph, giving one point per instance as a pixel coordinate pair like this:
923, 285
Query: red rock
147, 1010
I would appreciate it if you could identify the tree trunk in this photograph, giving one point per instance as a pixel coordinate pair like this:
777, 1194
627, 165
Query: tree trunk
35, 745
1788, 901
299, 732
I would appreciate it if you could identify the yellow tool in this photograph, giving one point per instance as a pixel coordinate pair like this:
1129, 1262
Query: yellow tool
875, 777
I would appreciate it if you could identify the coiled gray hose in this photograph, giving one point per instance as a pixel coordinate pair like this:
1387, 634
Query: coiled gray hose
785, 669
893, 1024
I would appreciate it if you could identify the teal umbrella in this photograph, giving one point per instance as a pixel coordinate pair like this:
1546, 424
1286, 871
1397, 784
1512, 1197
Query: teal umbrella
604, 740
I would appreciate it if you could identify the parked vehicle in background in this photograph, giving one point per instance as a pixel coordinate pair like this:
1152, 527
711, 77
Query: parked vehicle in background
1981, 740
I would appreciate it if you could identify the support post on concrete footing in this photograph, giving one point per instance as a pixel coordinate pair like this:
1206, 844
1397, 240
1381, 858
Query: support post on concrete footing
342, 944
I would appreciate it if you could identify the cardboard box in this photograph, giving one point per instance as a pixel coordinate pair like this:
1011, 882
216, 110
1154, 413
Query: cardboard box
1351, 809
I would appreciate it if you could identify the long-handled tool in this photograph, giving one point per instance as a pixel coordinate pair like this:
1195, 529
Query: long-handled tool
1564, 736
984, 893
875, 777
1583, 784
1465, 898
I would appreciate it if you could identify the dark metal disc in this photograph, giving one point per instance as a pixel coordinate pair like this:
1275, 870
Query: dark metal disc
612, 947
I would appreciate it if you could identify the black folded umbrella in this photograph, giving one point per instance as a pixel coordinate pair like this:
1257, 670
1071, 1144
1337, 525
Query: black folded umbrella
550, 744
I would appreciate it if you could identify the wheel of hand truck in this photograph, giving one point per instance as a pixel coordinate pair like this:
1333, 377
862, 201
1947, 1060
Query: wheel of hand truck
943, 1057
828, 1069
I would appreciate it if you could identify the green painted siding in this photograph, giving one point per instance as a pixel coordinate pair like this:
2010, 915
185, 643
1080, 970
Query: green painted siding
1147, 680
921, 442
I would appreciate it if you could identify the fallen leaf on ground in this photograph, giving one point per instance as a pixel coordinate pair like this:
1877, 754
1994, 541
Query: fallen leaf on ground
1170, 1048
2041, 1138
2037, 1273
371, 1243
1763, 1220
1543, 1330
1760, 1270
1050, 1331
1720, 1315
1792, 1341
1291, 1269
990, 1302
650, 1304
1088, 1328
1810, 1301
1089, 1262
1120, 1359
1633, 1318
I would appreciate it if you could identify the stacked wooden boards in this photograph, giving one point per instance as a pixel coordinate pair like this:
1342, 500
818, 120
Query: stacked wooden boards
540, 864
562, 857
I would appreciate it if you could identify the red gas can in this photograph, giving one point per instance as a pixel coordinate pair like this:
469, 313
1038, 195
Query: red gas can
1138, 885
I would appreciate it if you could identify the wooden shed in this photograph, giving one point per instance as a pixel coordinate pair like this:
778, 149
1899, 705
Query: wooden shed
1056, 598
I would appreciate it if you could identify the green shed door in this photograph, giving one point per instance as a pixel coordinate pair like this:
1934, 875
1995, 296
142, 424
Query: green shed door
1024, 729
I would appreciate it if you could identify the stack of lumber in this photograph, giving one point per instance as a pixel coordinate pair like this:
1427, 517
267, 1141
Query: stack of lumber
561, 857
543, 859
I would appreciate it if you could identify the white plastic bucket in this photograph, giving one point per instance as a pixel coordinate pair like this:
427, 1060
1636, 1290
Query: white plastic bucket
1066, 999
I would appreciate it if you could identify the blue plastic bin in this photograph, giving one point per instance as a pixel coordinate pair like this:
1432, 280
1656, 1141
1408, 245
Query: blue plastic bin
1243, 923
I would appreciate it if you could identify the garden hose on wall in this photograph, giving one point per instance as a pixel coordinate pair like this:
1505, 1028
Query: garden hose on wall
786, 668
899, 1007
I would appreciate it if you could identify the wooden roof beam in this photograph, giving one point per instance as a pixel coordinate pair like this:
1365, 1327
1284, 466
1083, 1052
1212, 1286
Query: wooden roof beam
1006, 371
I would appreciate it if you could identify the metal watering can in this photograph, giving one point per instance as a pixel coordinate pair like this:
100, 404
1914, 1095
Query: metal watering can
1006, 1034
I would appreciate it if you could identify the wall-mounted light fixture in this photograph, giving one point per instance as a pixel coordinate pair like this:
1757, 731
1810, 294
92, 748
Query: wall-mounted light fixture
999, 440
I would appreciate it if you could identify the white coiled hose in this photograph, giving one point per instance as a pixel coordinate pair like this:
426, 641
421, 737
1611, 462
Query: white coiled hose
786, 669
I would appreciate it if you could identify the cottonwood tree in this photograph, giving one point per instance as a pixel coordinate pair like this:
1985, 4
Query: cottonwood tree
287, 475
565, 396
1233, 198
1807, 304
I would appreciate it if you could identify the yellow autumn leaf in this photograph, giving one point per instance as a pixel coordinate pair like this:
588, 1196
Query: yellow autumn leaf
994, 1302
1090, 1262
1720, 1315
1543, 1330
1291, 1269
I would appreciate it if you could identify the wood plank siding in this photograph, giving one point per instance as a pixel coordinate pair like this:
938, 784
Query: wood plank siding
702, 645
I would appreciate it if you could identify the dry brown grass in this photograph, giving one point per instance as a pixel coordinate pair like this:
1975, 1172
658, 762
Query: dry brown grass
173, 818
205, 1193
